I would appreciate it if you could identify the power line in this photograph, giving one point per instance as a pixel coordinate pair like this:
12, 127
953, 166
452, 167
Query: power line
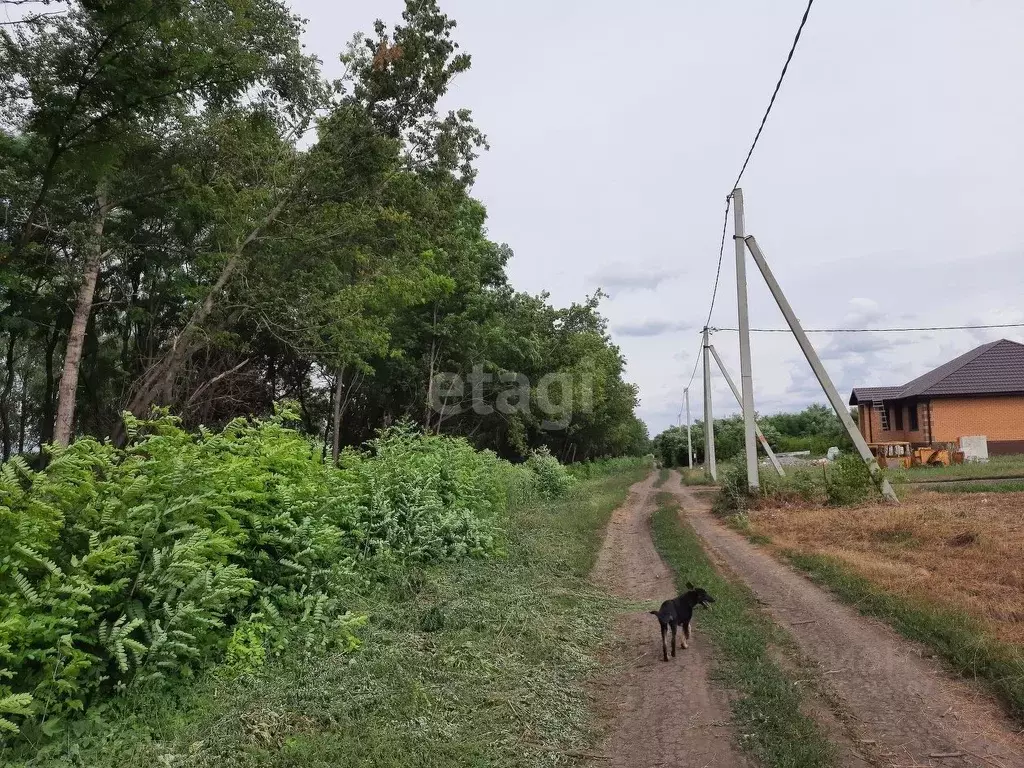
882, 330
718, 270
775, 93
746, 161
714, 290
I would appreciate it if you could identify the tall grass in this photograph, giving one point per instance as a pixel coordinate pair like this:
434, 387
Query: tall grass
995, 467
844, 482
129, 567
460, 665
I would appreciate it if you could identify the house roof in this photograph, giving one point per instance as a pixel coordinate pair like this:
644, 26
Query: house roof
991, 369
873, 394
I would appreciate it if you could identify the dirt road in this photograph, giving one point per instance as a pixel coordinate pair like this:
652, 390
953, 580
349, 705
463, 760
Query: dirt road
901, 708
660, 714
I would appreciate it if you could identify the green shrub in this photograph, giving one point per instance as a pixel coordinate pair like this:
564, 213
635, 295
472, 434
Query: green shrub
597, 468
118, 565
849, 481
843, 482
799, 485
734, 494
553, 480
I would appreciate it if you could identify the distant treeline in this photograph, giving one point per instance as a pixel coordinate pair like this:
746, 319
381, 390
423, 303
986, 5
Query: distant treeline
814, 429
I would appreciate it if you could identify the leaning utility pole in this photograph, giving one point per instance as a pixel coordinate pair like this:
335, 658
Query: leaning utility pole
819, 370
736, 393
746, 377
709, 420
689, 445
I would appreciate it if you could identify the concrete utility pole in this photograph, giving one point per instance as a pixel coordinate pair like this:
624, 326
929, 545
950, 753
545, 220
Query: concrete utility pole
746, 377
709, 419
819, 370
689, 445
736, 393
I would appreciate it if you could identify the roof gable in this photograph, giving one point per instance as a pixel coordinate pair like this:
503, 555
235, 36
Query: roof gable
994, 368
873, 394
991, 369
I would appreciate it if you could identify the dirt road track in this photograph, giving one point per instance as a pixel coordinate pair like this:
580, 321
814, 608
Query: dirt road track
904, 709
660, 714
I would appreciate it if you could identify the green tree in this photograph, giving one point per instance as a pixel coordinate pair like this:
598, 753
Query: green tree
93, 90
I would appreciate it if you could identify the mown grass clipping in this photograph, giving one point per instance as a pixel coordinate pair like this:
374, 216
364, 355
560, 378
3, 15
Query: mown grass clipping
767, 709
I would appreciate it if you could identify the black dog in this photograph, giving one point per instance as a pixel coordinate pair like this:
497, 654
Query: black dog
678, 612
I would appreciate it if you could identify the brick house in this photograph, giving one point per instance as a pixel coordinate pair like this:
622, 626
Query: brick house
978, 393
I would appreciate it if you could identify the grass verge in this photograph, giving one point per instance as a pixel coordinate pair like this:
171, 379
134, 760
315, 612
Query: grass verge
693, 476
956, 637
767, 710
995, 486
473, 664
663, 475
997, 467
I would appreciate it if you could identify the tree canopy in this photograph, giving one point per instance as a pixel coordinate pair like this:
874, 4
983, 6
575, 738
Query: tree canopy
194, 218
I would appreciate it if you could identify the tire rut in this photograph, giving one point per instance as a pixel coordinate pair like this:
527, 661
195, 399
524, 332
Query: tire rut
658, 713
906, 709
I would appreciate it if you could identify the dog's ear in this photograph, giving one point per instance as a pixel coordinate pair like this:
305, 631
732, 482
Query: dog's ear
690, 586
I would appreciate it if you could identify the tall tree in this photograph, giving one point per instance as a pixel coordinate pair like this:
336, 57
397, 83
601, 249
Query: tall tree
88, 86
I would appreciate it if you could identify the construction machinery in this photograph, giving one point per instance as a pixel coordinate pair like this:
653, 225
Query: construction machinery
930, 457
901, 454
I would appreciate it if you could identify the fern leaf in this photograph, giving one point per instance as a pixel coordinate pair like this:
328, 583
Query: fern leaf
25, 587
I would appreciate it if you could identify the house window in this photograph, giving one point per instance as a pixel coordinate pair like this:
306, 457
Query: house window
899, 416
912, 412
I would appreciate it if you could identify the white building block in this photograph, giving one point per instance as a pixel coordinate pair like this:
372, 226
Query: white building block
975, 448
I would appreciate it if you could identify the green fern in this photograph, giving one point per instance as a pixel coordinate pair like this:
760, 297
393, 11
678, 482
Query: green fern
13, 704
131, 564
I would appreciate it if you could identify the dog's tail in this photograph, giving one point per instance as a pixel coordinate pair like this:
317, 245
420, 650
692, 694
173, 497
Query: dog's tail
654, 613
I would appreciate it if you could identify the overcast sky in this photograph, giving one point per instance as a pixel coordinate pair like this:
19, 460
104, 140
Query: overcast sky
887, 188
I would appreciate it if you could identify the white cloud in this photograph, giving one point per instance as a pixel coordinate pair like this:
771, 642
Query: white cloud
650, 328
625, 277
863, 313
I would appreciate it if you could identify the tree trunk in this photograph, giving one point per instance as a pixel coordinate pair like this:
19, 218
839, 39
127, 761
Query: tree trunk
5, 399
434, 354
23, 404
49, 414
68, 388
339, 388
159, 381
272, 379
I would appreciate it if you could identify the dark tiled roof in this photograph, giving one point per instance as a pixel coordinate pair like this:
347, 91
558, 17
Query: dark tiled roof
872, 394
991, 369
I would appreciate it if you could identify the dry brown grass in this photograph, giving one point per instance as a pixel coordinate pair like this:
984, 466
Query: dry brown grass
962, 551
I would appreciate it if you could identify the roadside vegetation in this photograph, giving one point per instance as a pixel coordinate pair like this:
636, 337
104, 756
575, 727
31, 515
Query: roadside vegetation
814, 429
767, 707
938, 567
997, 467
842, 482
192, 596
980, 486
693, 476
